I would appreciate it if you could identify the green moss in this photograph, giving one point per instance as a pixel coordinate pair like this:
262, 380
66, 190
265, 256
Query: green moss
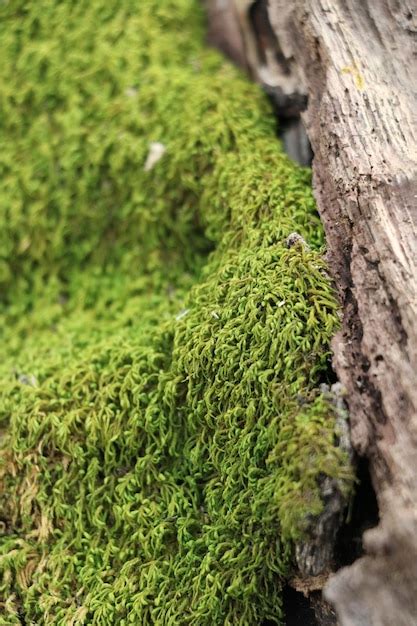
162, 435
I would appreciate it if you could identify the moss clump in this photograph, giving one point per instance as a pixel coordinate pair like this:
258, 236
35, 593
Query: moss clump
162, 437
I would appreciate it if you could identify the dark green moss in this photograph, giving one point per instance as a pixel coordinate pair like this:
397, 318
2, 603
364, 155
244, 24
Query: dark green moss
157, 463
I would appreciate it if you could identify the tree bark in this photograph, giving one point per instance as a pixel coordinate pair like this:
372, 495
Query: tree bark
356, 60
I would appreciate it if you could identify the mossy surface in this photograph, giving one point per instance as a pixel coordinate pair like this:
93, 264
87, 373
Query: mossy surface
162, 434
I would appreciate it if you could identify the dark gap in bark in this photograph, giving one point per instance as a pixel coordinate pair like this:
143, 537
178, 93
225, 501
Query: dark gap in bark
259, 21
324, 613
294, 138
297, 609
327, 376
364, 514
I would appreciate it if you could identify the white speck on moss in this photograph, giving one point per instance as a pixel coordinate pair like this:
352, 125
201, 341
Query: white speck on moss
156, 152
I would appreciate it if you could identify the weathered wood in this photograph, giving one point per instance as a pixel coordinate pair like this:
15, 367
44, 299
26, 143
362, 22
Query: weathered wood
357, 60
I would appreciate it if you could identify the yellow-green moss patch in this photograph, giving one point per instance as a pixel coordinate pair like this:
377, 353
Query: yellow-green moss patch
162, 434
